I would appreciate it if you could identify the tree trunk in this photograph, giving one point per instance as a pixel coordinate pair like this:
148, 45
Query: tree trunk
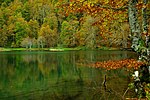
145, 28
137, 45
134, 24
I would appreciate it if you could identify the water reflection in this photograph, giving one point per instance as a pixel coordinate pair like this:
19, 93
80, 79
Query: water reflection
57, 76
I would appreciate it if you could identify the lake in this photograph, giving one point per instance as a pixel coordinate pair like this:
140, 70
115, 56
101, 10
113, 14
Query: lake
45, 75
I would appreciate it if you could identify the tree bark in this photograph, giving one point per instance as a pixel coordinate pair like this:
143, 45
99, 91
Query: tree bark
137, 45
134, 24
145, 27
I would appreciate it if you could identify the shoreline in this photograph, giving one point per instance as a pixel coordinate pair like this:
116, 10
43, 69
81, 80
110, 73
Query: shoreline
55, 49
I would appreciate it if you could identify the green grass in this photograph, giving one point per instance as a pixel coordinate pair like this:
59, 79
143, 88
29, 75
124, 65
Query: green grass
64, 49
22, 49
55, 49
34, 49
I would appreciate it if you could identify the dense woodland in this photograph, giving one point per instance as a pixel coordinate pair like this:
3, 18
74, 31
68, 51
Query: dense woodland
65, 23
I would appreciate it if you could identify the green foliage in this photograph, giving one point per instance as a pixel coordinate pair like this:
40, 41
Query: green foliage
147, 89
131, 85
2, 20
26, 11
21, 30
6, 2
68, 32
48, 34
33, 28
51, 20
3, 36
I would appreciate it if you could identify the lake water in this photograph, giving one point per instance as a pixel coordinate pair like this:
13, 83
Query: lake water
45, 75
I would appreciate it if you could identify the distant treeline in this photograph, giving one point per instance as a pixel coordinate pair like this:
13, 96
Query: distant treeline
51, 23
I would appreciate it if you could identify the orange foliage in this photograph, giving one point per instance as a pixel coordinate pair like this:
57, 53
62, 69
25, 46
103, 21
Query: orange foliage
106, 12
128, 63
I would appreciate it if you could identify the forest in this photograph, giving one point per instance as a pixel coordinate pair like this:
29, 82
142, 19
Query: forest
65, 23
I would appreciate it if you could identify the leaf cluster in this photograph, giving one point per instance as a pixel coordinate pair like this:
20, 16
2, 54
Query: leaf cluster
128, 63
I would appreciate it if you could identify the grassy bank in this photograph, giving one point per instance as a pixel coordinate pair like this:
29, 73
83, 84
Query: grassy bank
21, 49
36, 49
55, 49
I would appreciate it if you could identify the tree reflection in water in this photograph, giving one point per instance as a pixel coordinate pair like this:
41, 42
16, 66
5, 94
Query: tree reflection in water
57, 75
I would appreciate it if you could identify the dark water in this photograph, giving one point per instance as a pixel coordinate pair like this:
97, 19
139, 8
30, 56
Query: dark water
44, 75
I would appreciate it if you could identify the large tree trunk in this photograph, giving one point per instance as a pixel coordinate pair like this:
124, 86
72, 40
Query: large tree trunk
134, 24
145, 29
137, 45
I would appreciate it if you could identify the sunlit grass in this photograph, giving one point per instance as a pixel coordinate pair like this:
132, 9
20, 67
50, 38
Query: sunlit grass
55, 49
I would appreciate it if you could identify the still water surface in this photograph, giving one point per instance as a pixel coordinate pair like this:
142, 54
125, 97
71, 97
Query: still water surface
44, 75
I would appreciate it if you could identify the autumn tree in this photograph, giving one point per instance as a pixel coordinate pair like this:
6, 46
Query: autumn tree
3, 36
52, 21
87, 34
41, 41
120, 35
21, 30
65, 33
39, 9
33, 28
68, 32
26, 13
105, 13
6, 25
26, 42
47, 34
2, 25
